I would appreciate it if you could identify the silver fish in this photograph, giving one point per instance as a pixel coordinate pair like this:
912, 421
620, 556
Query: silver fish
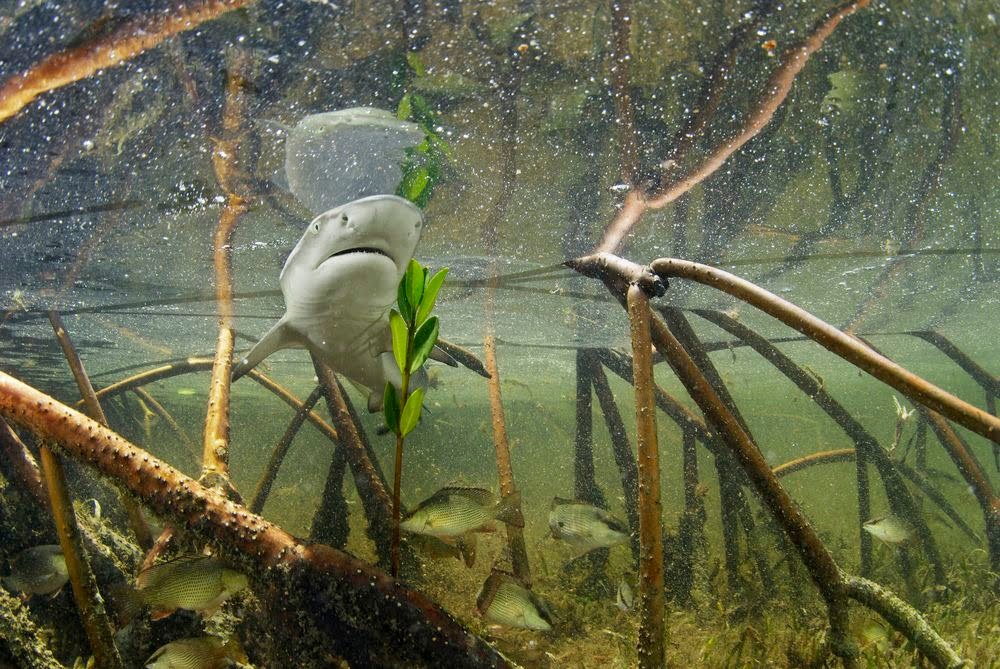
890, 529
206, 652
624, 597
505, 601
454, 511
585, 526
40, 570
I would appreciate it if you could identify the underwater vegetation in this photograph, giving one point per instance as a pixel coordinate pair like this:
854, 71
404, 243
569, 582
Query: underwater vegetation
761, 235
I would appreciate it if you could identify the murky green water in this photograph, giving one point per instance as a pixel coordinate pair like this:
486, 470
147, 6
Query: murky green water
869, 199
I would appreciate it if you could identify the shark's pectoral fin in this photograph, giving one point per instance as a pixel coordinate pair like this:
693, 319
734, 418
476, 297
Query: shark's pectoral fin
441, 355
462, 356
282, 335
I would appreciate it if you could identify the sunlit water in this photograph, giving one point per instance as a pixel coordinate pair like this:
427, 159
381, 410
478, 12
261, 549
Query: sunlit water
108, 204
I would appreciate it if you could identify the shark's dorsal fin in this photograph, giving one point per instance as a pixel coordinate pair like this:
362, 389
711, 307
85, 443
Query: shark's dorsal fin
282, 335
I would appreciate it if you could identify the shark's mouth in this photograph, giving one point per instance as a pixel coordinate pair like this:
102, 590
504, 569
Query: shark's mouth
362, 249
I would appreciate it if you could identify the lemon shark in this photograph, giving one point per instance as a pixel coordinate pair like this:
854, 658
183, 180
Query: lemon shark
339, 283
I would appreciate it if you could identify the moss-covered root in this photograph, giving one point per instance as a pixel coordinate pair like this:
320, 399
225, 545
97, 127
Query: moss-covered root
20, 635
905, 619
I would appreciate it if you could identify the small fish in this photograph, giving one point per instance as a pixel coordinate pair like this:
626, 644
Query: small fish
40, 570
435, 548
890, 529
874, 635
95, 508
585, 526
454, 511
196, 582
205, 652
186, 392
624, 598
505, 601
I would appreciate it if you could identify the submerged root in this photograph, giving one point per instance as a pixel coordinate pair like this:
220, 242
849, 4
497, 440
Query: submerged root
904, 618
324, 600
20, 636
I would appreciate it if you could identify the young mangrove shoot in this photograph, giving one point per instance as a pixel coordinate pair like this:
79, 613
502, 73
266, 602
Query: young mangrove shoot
414, 333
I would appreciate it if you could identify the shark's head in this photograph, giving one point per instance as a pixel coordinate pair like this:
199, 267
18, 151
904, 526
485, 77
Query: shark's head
367, 242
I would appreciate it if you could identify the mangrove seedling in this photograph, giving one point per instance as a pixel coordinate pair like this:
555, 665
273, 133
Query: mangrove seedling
424, 162
414, 333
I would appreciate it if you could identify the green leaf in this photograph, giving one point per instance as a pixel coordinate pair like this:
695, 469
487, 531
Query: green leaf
405, 309
390, 407
414, 184
423, 114
423, 342
413, 60
411, 412
441, 145
399, 333
404, 109
430, 296
415, 279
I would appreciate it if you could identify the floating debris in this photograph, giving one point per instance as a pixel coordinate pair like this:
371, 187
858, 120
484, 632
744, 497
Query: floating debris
585, 526
196, 582
890, 529
40, 570
504, 600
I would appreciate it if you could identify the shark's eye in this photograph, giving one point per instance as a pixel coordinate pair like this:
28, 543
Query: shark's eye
343, 218
315, 226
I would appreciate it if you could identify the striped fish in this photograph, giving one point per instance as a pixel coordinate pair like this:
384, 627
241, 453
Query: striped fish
205, 652
196, 582
585, 526
453, 512
505, 601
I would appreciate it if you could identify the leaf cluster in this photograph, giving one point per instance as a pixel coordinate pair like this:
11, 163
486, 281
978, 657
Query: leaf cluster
423, 163
414, 333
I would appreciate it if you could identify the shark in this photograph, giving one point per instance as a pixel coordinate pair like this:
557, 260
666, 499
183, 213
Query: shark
339, 283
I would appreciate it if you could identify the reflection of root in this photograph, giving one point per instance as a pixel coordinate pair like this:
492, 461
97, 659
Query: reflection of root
148, 420
124, 43
133, 336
